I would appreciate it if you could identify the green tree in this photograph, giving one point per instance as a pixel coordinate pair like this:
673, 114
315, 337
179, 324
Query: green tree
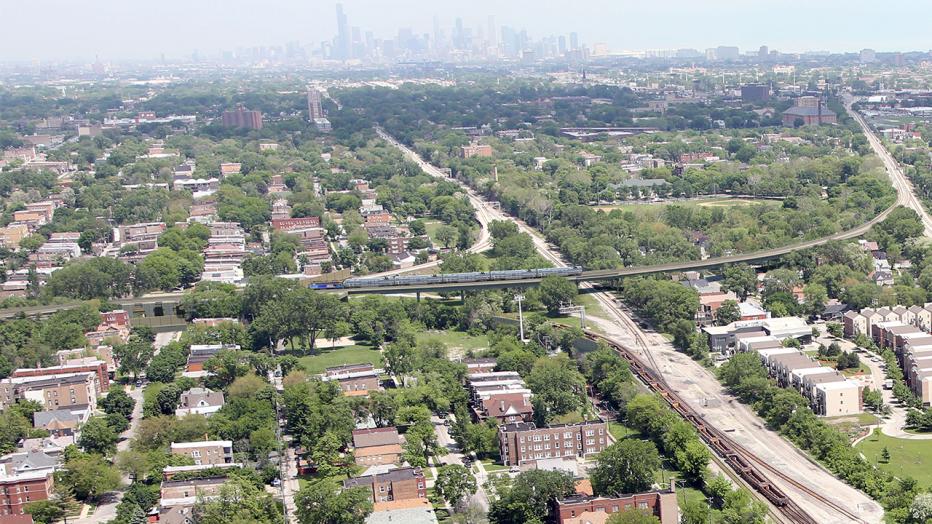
627, 466
885, 455
446, 235
557, 385
97, 436
455, 483
88, 475
740, 279
527, 499
556, 291
727, 313
632, 516
45, 511
323, 502
133, 356
239, 500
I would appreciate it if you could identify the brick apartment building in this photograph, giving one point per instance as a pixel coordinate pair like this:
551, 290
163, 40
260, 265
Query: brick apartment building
16, 491
98, 367
575, 510
76, 390
524, 443
397, 484
481, 150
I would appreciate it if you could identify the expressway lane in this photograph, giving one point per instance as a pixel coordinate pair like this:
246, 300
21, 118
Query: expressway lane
906, 194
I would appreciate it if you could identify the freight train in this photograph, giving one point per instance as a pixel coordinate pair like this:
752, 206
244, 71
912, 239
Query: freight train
449, 278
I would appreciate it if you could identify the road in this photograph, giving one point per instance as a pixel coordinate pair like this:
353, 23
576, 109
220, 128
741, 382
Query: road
106, 510
904, 187
704, 393
454, 455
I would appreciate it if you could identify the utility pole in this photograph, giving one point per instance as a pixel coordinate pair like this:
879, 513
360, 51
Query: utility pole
519, 297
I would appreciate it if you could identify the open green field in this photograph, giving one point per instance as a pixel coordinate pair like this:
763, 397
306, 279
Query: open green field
912, 458
326, 357
457, 342
652, 207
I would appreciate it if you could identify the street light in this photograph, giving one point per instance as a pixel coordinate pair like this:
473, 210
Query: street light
519, 297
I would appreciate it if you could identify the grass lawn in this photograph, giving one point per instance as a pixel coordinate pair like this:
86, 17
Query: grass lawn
458, 342
654, 207
489, 465
325, 357
853, 425
620, 431
911, 458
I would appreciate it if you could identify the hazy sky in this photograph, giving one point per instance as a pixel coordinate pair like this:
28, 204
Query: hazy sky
115, 29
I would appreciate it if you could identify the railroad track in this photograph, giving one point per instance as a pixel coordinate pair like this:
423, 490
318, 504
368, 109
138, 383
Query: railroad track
757, 473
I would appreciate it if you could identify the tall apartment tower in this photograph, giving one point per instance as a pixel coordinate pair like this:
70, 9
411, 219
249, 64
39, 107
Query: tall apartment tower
242, 118
314, 109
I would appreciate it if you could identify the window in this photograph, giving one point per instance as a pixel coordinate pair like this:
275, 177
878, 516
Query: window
420, 485
196, 453
615, 508
547, 438
589, 433
381, 489
522, 439
536, 438
567, 434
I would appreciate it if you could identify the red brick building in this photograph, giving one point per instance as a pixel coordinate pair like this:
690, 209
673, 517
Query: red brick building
17, 491
94, 366
661, 504
524, 443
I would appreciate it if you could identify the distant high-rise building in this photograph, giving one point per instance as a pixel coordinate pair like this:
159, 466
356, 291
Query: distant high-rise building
314, 108
343, 44
561, 45
574, 41
459, 37
242, 118
868, 56
763, 51
755, 92
492, 31
724, 52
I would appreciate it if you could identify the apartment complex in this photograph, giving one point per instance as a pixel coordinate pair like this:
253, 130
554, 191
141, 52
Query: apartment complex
524, 443
501, 395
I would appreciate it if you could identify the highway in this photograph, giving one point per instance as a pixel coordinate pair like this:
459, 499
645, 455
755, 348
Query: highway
904, 187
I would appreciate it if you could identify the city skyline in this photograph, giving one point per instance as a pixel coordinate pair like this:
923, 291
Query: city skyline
177, 29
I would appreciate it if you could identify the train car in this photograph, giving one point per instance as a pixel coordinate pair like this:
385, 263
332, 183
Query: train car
326, 285
459, 278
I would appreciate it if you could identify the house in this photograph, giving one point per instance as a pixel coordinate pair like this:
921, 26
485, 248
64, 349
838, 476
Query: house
377, 446
501, 395
855, 324
200, 401
396, 484
524, 443
205, 452
60, 422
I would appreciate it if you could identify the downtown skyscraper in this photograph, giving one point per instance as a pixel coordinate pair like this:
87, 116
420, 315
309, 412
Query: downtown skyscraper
342, 44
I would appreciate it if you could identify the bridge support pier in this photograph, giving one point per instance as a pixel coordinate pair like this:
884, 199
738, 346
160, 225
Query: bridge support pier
462, 295
418, 296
